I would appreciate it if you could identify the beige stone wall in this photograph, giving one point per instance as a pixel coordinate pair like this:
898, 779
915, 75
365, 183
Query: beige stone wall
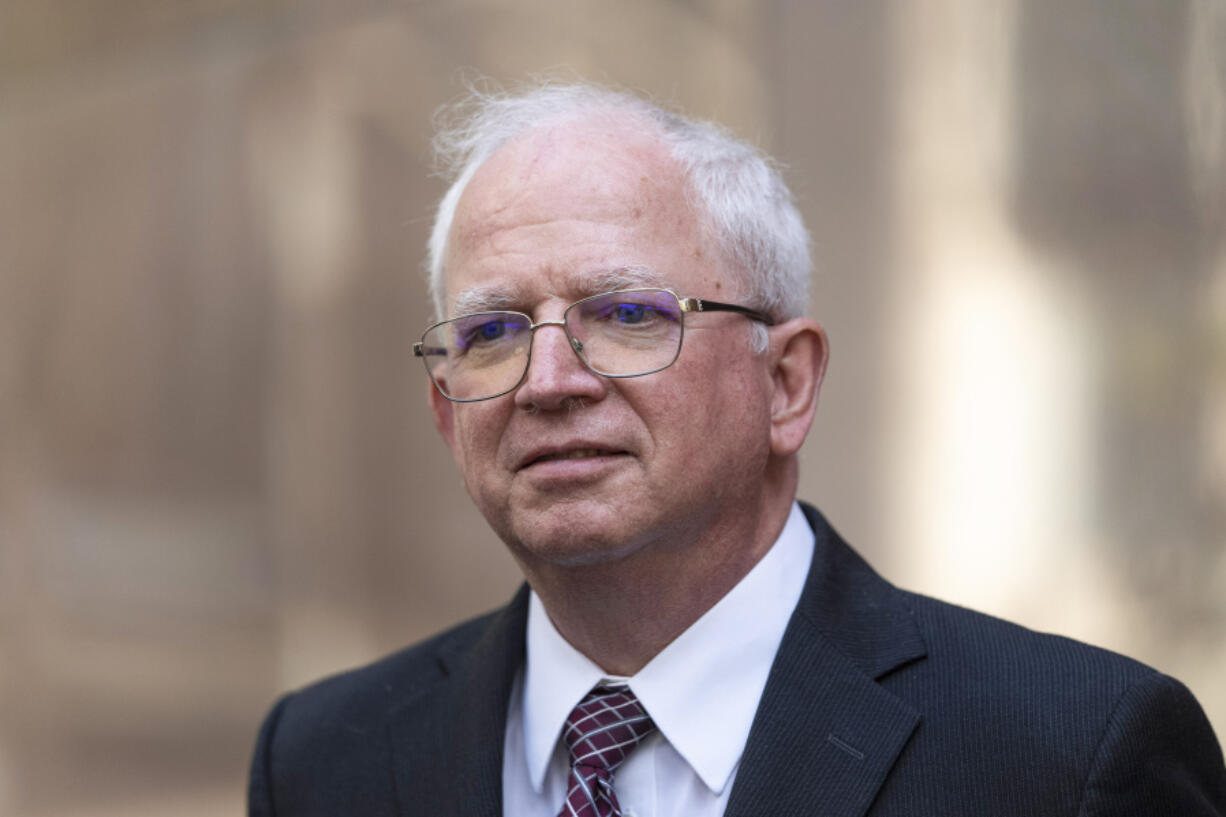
218, 479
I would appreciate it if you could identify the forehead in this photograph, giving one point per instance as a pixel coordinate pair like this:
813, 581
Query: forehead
576, 200
603, 167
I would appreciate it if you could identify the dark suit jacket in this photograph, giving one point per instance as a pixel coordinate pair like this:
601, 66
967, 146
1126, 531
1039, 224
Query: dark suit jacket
880, 702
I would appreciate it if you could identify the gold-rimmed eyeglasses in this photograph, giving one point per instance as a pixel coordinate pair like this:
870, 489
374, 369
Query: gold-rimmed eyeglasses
624, 333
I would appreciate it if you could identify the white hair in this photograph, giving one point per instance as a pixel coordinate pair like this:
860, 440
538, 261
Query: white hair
736, 189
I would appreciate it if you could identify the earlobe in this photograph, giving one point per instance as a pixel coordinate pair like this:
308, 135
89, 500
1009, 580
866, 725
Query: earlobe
799, 351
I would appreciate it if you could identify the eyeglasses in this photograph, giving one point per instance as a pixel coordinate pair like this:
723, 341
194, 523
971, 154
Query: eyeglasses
626, 333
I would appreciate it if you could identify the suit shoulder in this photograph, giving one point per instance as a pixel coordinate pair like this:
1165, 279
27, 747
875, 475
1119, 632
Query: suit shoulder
965, 636
1004, 673
867, 617
326, 748
1078, 723
364, 694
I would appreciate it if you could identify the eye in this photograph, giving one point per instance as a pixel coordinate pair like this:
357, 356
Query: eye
629, 313
483, 332
491, 330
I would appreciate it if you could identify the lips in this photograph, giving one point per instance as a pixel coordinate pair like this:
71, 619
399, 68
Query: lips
577, 452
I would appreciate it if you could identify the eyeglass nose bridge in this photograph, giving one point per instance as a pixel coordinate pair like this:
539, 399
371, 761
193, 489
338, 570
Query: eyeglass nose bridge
575, 343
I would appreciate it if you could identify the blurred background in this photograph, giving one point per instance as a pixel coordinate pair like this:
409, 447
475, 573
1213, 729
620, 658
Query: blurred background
218, 477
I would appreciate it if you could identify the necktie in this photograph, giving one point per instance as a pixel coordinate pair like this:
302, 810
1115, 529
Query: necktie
600, 733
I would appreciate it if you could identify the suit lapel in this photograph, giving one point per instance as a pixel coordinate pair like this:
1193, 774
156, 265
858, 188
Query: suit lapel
447, 741
826, 733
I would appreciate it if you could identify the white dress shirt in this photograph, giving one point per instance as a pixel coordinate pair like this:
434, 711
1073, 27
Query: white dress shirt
702, 691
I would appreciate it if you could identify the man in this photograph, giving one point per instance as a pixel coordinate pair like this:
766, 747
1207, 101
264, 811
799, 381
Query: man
625, 376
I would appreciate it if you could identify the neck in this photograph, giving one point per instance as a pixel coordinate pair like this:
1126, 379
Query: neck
622, 614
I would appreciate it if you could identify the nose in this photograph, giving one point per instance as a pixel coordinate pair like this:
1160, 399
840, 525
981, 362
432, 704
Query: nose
556, 376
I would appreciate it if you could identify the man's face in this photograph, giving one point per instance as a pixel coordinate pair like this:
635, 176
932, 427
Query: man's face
572, 467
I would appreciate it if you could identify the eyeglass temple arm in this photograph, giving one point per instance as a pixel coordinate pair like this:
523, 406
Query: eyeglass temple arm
699, 305
419, 350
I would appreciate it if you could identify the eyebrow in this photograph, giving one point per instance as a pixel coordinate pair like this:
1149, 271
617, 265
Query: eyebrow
622, 278
486, 299
498, 297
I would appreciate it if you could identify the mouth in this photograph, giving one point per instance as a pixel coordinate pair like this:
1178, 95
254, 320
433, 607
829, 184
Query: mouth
571, 454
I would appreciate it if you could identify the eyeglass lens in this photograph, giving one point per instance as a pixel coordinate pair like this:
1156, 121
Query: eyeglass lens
617, 334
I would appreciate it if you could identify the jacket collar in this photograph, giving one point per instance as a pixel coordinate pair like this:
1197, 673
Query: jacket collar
447, 740
826, 733
862, 615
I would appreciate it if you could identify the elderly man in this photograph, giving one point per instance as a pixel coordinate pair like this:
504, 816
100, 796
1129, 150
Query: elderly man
624, 374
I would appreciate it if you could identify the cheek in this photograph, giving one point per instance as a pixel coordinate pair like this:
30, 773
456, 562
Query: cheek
738, 413
724, 374
710, 411
476, 443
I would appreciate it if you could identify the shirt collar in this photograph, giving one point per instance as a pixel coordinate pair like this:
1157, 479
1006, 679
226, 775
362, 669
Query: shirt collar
556, 677
702, 690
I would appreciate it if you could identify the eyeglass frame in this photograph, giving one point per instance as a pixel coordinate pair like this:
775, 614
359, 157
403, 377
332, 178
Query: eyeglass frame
686, 304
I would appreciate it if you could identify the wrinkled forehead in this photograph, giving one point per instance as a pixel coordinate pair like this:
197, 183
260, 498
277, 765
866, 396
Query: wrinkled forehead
595, 162
597, 171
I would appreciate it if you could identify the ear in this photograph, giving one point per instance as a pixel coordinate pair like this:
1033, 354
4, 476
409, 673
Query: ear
798, 351
443, 411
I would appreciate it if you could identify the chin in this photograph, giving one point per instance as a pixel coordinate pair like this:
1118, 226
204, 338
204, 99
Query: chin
561, 541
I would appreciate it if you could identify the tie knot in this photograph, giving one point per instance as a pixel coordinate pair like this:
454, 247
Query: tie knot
605, 727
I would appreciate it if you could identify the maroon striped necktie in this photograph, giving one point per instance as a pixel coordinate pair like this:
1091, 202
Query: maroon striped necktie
600, 733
